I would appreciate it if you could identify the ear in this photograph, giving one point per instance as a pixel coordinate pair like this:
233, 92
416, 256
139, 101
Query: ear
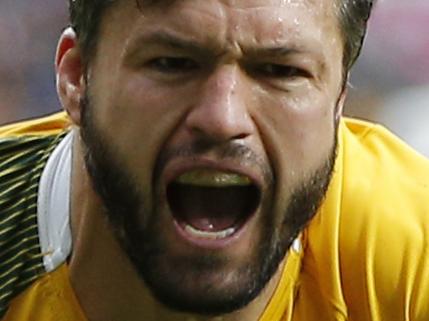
70, 76
342, 98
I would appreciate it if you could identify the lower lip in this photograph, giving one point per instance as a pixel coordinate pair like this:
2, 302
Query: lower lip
212, 244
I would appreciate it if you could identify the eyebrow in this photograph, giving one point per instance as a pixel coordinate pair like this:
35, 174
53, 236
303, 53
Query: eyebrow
171, 40
162, 38
275, 51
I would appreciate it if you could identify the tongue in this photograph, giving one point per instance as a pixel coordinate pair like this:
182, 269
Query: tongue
209, 209
209, 224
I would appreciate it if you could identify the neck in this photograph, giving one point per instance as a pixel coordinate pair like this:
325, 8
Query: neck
105, 282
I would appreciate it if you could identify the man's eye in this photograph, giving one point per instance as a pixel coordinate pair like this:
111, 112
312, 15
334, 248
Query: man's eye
173, 64
280, 71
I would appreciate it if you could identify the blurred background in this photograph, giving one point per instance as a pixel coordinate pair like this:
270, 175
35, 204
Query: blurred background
389, 84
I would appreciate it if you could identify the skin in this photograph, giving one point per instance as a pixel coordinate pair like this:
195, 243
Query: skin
229, 94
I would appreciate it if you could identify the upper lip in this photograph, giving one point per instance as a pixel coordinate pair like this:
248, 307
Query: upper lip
178, 167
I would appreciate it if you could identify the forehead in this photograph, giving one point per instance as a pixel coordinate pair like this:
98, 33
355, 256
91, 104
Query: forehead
222, 24
267, 10
234, 3
232, 13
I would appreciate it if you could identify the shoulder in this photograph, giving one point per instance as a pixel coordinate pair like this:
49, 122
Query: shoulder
382, 176
24, 150
47, 125
384, 223
25, 144
365, 251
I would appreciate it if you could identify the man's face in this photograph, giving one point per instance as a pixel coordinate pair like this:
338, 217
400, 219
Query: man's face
210, 135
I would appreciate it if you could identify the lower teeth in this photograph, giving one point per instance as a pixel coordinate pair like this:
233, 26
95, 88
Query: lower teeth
209, 235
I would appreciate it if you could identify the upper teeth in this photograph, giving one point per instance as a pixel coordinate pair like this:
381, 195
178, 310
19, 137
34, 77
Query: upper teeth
213, 178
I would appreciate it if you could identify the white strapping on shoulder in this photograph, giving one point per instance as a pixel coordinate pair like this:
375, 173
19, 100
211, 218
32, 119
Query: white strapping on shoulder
53, 206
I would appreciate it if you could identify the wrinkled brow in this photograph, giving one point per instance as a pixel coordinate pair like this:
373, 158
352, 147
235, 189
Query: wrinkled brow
142, 4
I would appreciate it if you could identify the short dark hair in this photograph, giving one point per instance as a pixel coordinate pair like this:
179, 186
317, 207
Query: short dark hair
353, 16
85, 19
86, 15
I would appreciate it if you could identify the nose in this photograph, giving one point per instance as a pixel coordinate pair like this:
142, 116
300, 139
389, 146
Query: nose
221, 112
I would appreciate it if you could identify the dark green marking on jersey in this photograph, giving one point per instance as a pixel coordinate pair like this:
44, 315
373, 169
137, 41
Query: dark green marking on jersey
22, 160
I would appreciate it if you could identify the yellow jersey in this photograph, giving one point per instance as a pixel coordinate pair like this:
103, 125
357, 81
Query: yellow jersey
363, 256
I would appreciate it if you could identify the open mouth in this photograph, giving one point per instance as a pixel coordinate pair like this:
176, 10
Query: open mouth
210, 204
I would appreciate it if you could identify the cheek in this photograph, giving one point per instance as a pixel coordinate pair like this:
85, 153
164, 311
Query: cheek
137, 117
298, 133
312, 126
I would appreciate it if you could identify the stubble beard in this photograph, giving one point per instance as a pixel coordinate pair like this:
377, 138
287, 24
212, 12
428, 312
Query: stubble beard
183, 284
